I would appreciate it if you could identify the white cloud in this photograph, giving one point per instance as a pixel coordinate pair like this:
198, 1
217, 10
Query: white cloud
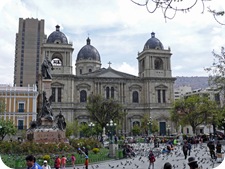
118, 29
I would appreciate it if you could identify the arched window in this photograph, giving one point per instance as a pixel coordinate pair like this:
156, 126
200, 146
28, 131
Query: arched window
107, 92
112, 92
158, 64
135, 97
136, 123
83, 96
90, 70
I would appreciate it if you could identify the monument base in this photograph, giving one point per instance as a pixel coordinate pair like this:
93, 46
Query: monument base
112, 150
44, 134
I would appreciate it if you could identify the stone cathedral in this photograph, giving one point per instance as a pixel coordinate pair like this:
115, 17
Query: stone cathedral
151, 92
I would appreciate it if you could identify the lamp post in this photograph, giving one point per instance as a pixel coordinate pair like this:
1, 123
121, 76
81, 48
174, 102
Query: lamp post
91, 125
150, 125
168, 128
111, 127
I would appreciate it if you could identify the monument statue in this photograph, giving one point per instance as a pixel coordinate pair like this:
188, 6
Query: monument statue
46, 68
60, 121
46, 110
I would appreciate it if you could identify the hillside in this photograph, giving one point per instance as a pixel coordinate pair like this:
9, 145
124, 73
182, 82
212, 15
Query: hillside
195, 82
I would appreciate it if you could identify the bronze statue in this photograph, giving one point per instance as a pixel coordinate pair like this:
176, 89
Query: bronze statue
60, 121
46, 68
46, 111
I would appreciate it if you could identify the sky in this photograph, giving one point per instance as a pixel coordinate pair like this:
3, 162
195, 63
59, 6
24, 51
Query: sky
118, 29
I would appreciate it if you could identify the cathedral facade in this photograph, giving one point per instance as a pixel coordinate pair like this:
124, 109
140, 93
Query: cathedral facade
151, 92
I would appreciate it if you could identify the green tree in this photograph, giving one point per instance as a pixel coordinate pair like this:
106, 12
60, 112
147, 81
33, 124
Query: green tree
103, 110
6, 128
144, 123
194, 110
72, 128
136, 130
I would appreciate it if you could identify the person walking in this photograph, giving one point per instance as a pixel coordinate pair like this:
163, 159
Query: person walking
211, 147
189, 148
185, 150
192, 163
73, 161
57, 162
63, 162
31, 162
86, 162
152, 160
45, 165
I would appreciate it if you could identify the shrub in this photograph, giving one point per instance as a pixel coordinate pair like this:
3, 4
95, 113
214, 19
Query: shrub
46, 157
95, 150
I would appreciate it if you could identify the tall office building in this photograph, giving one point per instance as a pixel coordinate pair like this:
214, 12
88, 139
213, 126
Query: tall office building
28, 51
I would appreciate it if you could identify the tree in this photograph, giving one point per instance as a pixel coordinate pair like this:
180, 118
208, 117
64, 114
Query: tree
103, 110
194, 110
170, 8
72, 128
6, 128
145, 125
136, 130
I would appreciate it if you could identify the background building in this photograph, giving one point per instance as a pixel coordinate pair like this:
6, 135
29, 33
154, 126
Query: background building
151, 92
28, 51
20, 104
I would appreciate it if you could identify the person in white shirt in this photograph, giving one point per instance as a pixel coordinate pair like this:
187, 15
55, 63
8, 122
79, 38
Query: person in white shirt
45, 165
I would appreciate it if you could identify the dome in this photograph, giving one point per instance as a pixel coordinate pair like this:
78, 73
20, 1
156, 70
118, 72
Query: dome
88, 52
153, 43
57, 37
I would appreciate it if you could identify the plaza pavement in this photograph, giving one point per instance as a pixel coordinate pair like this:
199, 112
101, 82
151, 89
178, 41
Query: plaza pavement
176, 158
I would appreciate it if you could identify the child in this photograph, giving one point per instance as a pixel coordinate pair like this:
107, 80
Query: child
86, 162
73, 160
151, 158
63, 162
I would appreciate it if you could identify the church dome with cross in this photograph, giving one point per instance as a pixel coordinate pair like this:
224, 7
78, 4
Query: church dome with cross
57, 37
88, 52
153, 43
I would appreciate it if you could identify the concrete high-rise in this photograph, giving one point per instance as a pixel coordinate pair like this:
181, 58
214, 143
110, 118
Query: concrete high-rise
28, 56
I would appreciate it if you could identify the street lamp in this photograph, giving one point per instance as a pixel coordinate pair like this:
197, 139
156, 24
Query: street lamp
91, 125
150, 125
111, 127
168, 128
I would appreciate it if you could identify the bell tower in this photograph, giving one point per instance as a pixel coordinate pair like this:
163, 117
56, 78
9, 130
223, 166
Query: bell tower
154, 60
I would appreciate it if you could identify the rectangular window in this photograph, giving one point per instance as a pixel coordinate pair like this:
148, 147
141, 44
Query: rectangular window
53, 94
59, 94
20, 124
159, 96
164, 96
21, 107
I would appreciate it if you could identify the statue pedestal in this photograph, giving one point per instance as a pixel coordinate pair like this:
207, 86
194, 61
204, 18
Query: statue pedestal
46, 86
45, 134
46, 122
113, 149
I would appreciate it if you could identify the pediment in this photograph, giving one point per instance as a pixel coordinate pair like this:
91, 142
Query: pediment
110, 74
57, 84
135, 87
83, 86
161, 86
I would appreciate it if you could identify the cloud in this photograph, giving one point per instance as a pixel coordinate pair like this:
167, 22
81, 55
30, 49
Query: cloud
118, 29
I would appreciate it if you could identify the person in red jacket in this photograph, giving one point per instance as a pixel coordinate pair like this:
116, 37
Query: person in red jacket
57, 162
86, 162
151, 158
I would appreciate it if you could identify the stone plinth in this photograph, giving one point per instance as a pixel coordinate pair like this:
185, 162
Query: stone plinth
46, 122
112, 149
47, 135
46, 86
